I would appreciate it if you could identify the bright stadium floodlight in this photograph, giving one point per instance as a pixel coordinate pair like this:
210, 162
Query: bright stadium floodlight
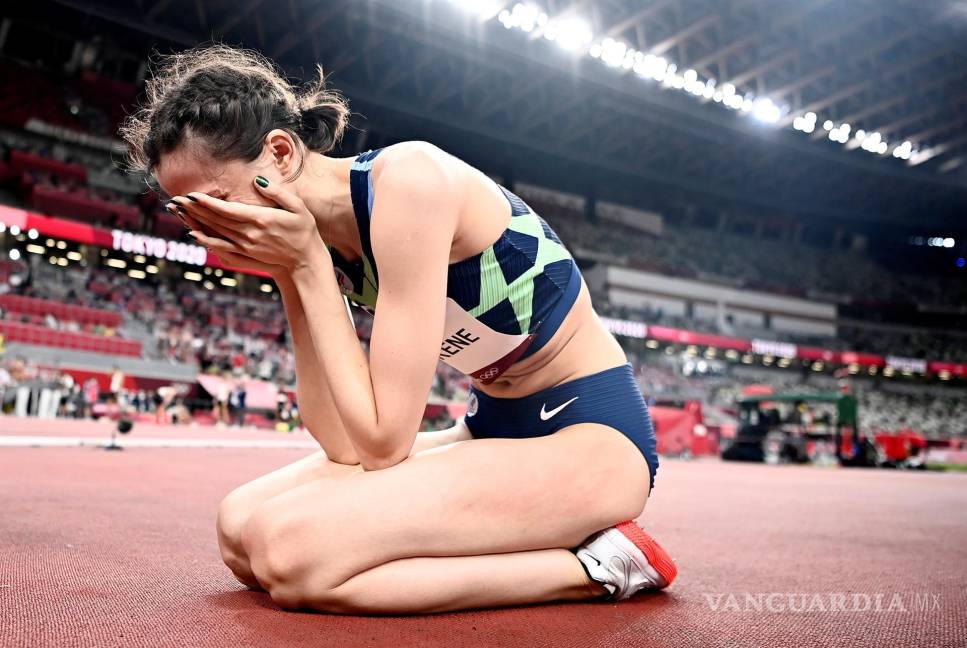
628, 61
526, 17
919, 157
872, 142
613, 52
765, 110
575, 34
840, 134
805, 123
571, 34
14, 254
482, 9
949, 242
904, 151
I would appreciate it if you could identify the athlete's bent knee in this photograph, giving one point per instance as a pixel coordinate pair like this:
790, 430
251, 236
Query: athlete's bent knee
272, 557
230, 520
233, 513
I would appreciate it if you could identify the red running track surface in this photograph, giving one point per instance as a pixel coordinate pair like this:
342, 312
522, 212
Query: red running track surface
118, 549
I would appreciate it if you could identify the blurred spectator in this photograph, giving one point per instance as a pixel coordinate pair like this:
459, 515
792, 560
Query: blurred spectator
236, 402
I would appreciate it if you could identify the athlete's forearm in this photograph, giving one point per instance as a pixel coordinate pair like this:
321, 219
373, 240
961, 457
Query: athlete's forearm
345, 368
439, 438
316, 406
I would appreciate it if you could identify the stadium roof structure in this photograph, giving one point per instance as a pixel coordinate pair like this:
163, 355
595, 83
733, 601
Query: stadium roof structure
760, 103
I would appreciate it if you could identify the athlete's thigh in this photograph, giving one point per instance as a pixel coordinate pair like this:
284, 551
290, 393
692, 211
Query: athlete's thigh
240, 503
473, 497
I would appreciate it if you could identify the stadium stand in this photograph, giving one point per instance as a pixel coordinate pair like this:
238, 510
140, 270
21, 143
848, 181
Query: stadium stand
223, 331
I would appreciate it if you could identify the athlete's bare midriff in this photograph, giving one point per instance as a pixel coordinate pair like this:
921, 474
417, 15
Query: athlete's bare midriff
580, 347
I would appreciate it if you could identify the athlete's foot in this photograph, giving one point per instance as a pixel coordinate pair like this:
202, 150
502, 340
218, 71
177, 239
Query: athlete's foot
624, 560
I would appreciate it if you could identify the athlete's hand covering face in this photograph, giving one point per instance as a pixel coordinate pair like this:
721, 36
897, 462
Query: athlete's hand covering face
285, 236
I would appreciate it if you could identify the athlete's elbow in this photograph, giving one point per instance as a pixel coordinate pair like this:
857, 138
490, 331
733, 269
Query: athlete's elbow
382, 462
385, 454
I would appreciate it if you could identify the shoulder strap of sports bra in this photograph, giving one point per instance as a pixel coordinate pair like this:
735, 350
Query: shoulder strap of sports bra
361, 189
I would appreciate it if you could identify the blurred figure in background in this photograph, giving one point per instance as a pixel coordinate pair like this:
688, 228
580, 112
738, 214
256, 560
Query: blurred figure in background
65, 407
6, 382
178, 411
221, 400
236, 401
92, 391
115, 394
162, 396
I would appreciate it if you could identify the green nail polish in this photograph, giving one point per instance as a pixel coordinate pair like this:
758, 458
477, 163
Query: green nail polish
261, 181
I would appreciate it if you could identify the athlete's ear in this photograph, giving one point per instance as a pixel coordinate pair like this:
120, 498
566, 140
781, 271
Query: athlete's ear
283, 151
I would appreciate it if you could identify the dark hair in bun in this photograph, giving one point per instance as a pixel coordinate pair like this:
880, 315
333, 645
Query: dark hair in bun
229, 98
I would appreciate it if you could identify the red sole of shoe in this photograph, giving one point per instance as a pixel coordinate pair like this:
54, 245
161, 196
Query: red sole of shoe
656, 555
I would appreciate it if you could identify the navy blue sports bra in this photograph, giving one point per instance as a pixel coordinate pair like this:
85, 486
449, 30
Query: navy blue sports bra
503, 304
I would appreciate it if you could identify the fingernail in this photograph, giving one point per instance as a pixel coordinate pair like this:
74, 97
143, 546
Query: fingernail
192, 235
191, 198
182, 210
261, 181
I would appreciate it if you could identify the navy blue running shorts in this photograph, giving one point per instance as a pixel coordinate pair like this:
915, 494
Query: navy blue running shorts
610, 397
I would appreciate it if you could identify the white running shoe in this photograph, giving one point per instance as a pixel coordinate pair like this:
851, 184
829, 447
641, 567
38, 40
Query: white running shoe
625, 560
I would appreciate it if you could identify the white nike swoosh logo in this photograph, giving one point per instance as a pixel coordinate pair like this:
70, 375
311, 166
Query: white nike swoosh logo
545, 416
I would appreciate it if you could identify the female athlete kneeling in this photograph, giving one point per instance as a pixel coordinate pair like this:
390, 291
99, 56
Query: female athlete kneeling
527, 499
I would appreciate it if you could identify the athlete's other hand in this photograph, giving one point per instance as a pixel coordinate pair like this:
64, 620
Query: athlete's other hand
285, 236
231, 259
